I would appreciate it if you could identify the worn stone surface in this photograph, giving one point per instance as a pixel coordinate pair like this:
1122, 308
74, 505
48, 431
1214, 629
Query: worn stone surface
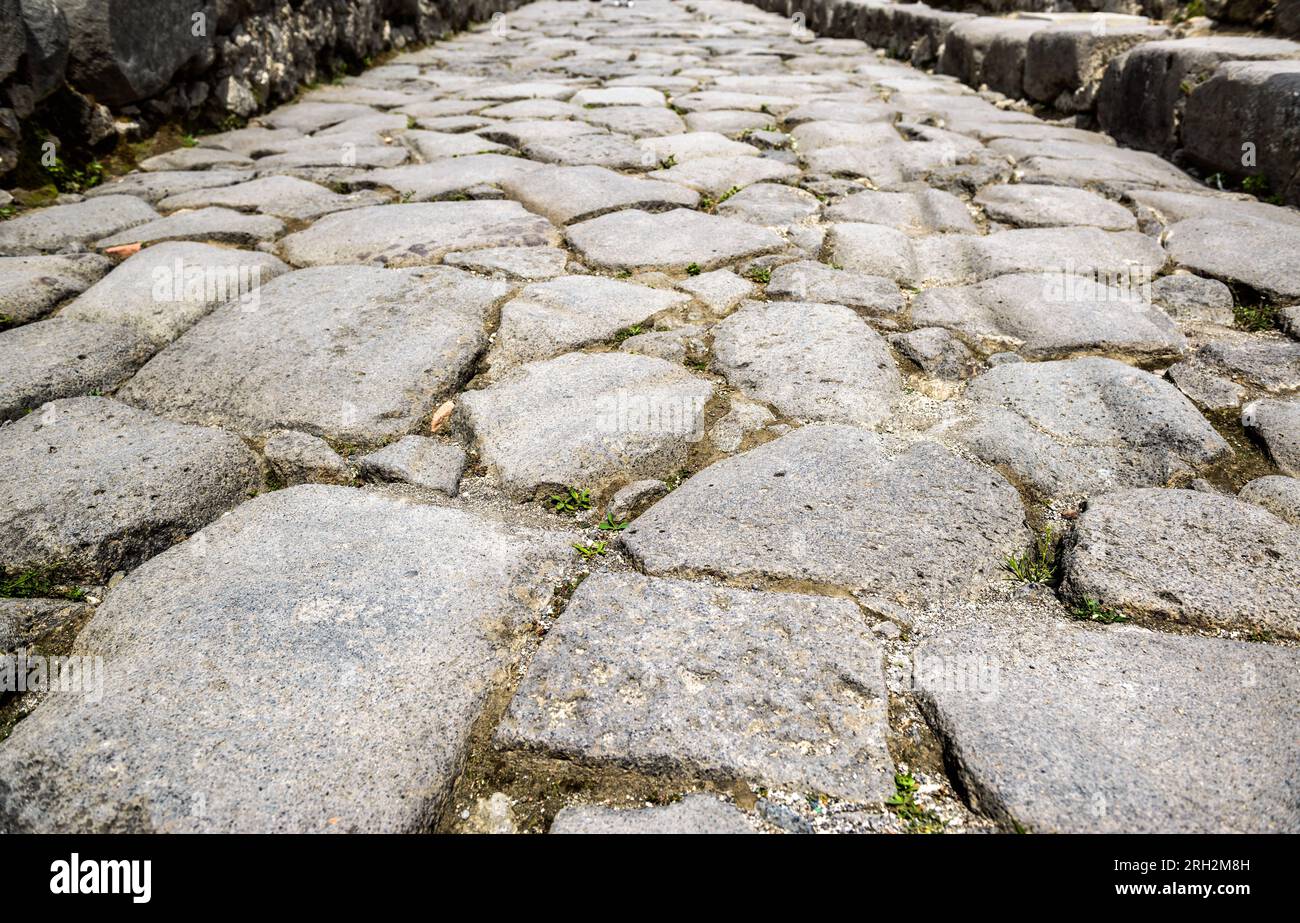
1186, 297
54, 228
281, 196
1278, 494
1031, 206
815, 362
720, 290
937, 352
920, 524
351, 353
1264, 255
654, 675
929, 211
221, 225
1086, 730
94, 486
1077, 427
33, 286
674, 240
1187, 556
586, 420
163, 290
406, 648
300, 458
415, 235
1045, 316
807, 280
549, 318
694, 814
61, 357
1276, 424
418, 461
567, 194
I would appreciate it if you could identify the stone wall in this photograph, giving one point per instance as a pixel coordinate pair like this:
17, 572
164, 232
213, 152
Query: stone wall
87, 71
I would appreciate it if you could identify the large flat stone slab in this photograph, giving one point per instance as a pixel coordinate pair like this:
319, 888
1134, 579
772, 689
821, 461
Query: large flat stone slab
1277, 425
1077, 427
1087, 730
671, 241
416, 234
586, 420
818, 362
33, 286
61, 357
49, 229
1187, 556
930, 211
669, 676
1052, 315
829, 504
1029, 205
396, 619
1264, 255
93, 486
221, 225
566, 194
163, 290
808, 280
549, 318
356, 354
285, 197
956, 258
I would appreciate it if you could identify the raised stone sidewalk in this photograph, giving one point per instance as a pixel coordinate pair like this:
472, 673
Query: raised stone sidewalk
660, 418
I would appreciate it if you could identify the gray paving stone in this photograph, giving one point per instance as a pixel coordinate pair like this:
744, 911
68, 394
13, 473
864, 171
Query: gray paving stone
956, 258
1186, 297
1078, 427
281, 196
694, 814
769, 204
670, 676
60, 357
682, 148
671, 241
1206, 389
585, 420
300, 458
807, 280
549, 318
355, 354
1269, 363
813, 362
439, 145
1186, 556
406, 648
617, 152
1278, 494
929, 211
527, 263
94, 486
1264, 255
720, 290
196, 158
48, 229
417, 234
220, 225
715, 176
418, 461
937, 353
635, 121
940, 526
631, 501
1026, 205
1085, 730
163, 290
428, 181
40, 626
33, 286
568, 194
307, 117
154, 187
1276, 424
1047, 316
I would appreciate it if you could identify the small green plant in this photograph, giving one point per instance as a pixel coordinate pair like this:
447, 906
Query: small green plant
1258, 187
1037, 565
610, 524
1090, 610
8, 212
693, 269
623, 274
590, 551
728, 194
903, 803
573, 500
1254, 317
38, 583
628, 332
188, 140
71, 179
706, 203
761, 274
